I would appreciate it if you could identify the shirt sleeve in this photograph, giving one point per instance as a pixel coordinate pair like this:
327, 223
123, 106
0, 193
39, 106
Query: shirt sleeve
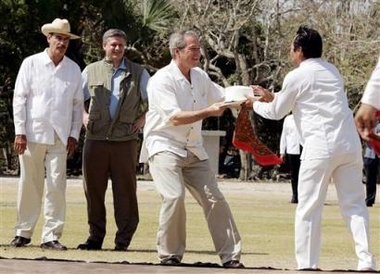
371, 94
144, 84
78, 106
20, 95
86, 93
283, 101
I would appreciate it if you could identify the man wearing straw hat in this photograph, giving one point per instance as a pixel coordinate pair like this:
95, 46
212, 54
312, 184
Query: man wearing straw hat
48, 109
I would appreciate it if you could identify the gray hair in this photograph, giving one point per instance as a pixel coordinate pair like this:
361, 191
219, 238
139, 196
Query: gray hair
177, 40
112, 33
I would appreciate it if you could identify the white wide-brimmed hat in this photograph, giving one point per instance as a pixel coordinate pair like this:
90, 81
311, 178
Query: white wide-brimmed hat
60, 26
237, 93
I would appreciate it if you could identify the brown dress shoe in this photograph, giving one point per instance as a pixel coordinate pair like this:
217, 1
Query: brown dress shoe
19, 241
233, 264
53, 245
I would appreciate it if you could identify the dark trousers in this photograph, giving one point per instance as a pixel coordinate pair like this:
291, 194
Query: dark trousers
294, 166
117, 161
371, 167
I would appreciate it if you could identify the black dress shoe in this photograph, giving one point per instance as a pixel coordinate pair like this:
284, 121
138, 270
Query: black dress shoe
121, 247
90, 245
369, 203
53, 245
233, 264
19, 241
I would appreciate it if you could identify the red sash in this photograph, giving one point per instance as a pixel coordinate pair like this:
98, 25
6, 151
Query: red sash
246, 139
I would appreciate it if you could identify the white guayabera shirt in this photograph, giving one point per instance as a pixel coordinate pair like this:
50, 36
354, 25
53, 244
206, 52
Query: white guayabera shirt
314, 92
169, 92
48, 99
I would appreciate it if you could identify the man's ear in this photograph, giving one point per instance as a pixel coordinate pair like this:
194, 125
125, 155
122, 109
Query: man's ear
301, 52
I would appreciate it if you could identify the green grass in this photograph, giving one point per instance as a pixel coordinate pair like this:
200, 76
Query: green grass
262, 212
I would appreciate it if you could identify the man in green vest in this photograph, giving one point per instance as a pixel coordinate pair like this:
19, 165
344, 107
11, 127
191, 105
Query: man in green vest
115, 91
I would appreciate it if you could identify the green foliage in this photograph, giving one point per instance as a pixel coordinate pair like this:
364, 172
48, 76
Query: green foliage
157, 14
244, 42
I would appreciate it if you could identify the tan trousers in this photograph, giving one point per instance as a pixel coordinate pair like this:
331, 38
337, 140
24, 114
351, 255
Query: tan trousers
314, 178
172, 174
33, 163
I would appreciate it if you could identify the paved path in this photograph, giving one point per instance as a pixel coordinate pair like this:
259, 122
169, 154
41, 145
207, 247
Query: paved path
72, 267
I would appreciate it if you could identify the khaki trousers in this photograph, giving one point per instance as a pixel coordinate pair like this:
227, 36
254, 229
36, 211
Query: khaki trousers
314, 178
172, 174
117, 161
36, 159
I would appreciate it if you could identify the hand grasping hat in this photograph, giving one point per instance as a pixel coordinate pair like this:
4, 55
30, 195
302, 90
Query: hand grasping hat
59, 26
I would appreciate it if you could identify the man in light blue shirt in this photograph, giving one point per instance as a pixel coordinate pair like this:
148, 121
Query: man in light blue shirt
115, 90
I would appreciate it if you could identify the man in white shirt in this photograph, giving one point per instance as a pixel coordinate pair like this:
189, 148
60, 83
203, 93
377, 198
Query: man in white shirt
314, 92
290, 151
48, 109
365, 118
180, 95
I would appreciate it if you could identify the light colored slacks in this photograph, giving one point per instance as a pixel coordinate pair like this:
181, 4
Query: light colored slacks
172, 174
34, 161
345, 172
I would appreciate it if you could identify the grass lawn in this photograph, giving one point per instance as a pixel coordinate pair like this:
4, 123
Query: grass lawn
262, 212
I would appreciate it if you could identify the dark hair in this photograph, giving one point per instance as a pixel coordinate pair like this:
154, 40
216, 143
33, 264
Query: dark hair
309, 41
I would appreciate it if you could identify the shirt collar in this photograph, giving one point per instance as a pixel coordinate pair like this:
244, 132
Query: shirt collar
310, 60
176, 72
122, 65
47, 60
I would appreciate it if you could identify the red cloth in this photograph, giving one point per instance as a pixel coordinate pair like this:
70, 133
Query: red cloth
374, 142
246, 139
